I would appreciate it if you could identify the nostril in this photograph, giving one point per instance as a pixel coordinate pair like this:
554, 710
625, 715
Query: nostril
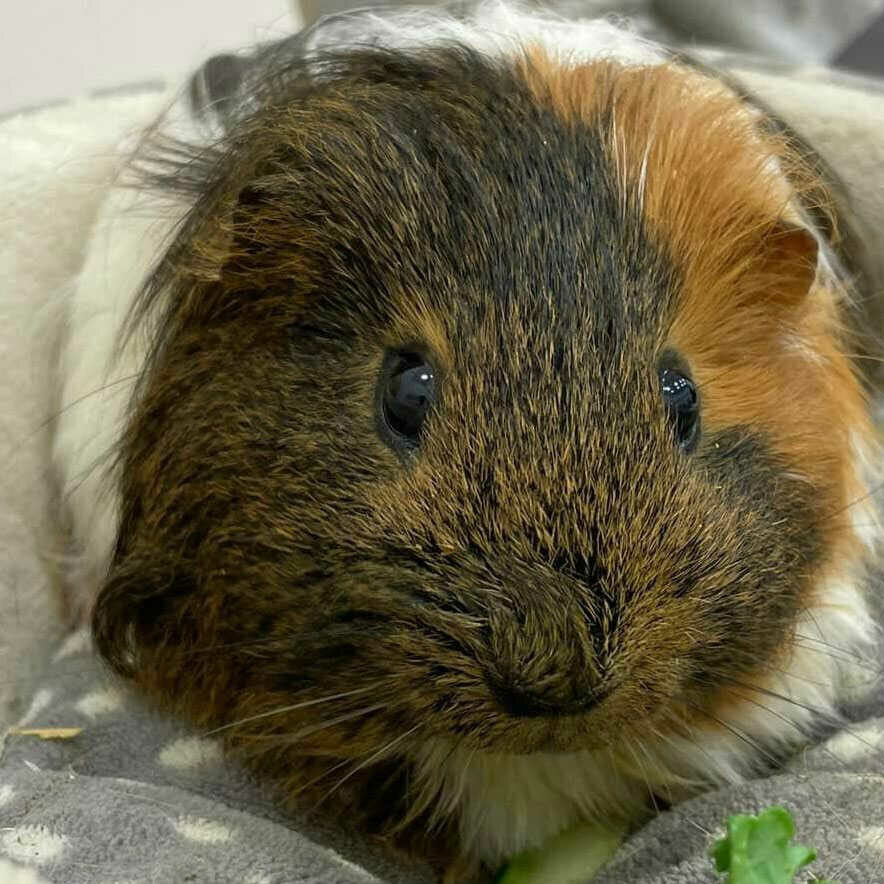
521, 703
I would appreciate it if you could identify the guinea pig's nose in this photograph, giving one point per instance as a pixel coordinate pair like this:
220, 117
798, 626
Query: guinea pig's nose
522, 703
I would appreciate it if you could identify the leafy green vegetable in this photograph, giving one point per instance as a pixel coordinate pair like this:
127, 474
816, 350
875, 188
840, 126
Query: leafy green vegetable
572, 857
757, 849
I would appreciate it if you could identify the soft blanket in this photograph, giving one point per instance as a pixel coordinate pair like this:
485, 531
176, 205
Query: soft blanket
94, 789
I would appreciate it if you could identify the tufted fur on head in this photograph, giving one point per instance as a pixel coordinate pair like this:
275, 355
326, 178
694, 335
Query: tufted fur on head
547, 611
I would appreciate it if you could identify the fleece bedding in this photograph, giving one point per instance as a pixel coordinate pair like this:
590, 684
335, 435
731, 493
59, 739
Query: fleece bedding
94, 787
121, 794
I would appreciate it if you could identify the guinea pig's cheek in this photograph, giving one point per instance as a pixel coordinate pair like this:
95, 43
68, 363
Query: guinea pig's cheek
794, 387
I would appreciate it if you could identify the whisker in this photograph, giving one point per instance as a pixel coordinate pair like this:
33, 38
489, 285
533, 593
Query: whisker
429, 800
778, 696
368, 761
851, 860
291, 738
785, 719
846, 656
628, 743
846, 651
664, 785
740, 735
310, 783
83, 476
683, 724
869, 667
874, 490
293, 707
72, 404
827, 717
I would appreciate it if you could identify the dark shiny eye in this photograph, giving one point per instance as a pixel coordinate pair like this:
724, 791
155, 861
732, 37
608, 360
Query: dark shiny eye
409, 391
682, 407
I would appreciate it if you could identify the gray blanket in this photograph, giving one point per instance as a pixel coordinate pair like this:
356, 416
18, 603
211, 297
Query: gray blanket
120, 794
135, 798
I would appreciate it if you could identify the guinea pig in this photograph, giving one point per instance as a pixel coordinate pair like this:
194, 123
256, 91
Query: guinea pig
497, 459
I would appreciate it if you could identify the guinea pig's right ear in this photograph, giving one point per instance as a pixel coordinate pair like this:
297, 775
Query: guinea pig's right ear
787, 270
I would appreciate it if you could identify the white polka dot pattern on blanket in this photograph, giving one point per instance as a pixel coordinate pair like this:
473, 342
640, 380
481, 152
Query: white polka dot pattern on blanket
79, 642
12, 873
40, 703
202, 830
872, 838
99, 703
32, 844
189, 752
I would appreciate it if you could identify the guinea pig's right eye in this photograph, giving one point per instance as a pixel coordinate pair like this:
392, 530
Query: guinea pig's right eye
408, 393
682, 407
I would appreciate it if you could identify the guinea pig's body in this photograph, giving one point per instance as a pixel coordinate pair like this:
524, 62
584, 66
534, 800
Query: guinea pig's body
496, 460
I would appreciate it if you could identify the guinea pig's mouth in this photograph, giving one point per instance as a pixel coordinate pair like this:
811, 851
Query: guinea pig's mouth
519, 703
517, 721
530, 676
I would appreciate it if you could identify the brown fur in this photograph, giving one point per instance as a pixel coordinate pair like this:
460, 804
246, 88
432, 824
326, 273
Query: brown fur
711, 185
548, 538
766, 341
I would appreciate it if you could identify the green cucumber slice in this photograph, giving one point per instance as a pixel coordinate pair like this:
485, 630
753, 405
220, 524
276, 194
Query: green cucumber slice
571, 857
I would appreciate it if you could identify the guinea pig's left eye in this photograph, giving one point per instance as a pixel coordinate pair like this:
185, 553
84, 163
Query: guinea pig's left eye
408, 393
682, 406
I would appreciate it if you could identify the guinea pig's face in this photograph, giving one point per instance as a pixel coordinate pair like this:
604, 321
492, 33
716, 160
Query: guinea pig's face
496, 404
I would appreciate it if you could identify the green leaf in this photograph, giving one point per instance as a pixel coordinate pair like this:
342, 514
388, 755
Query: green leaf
757, 849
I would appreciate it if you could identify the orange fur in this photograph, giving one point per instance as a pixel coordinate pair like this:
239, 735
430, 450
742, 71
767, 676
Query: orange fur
762, 331
762, 335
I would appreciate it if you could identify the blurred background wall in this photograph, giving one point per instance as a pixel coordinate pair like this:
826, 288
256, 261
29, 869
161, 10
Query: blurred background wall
52, 50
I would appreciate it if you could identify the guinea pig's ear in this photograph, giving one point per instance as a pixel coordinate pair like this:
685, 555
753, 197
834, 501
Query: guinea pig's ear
138, 608
228, 85
790, 255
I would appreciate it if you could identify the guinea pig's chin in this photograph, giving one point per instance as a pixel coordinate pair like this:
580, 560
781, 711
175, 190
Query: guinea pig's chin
558, 736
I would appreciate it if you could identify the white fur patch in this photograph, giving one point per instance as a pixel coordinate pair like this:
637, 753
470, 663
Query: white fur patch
39, 703
507, 803
496, 28
864, 509
97, 382
6, 793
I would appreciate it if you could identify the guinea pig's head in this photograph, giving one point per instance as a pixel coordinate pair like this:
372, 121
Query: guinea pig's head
490, 402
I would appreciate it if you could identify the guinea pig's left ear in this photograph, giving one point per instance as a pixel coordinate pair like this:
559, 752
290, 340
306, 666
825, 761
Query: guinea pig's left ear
790, 256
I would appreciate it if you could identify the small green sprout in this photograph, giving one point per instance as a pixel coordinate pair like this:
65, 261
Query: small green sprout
757, 849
